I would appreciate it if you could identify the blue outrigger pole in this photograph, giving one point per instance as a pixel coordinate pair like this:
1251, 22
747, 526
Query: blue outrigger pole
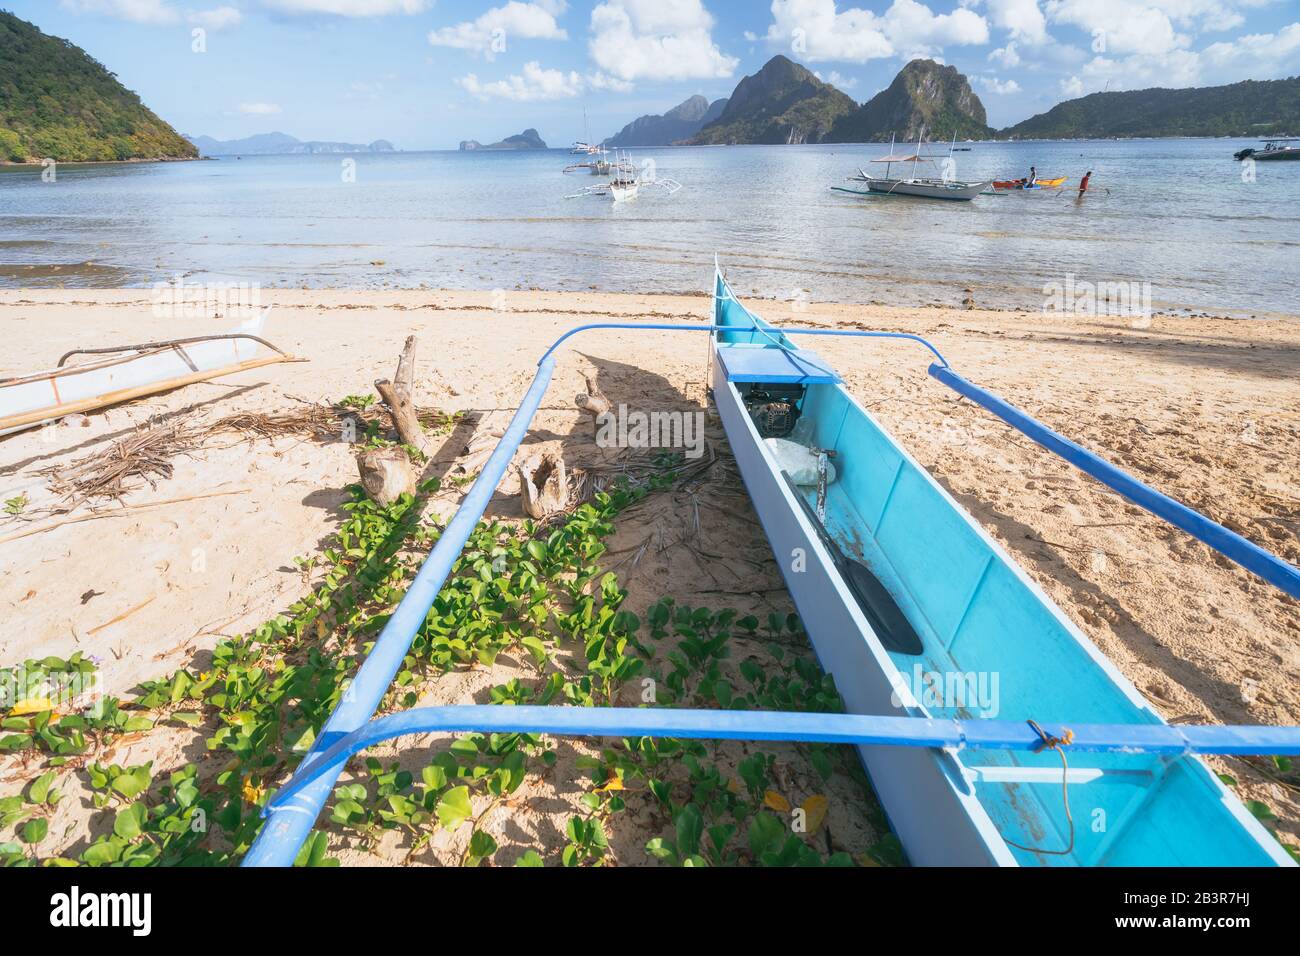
292, 812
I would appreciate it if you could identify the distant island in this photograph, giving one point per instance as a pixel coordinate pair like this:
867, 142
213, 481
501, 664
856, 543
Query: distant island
528, 139
1255, 108
785, 103
781, 103
58, 102
678, 125
925, 95
282, 144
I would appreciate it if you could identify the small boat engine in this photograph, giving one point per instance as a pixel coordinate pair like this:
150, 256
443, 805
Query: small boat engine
774, 408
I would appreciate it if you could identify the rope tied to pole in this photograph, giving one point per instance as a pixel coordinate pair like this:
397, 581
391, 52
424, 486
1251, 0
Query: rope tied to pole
1047, 741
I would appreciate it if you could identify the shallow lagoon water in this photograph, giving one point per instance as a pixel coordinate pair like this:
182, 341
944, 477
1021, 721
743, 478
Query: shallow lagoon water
1177, 214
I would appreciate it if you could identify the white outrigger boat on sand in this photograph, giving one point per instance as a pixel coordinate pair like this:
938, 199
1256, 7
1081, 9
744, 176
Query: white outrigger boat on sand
926, 187
126, 372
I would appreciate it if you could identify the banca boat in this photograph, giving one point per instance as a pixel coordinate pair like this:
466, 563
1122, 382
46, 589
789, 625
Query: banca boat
126, 372
950, 609
896, 584
926, 187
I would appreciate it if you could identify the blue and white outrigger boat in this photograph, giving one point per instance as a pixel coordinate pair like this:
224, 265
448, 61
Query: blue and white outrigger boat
892, 578
976, 614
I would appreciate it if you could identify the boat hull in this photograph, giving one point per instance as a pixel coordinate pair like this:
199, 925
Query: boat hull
979, 616
45, 396
926, 189
931, 808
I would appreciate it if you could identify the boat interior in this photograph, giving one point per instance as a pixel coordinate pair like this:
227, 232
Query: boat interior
993, 645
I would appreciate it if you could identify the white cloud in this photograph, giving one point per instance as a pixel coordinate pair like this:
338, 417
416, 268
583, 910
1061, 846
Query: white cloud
535, 83
837, 79
492, 32
349, 8
656, 40
259, 109
1072, 88
1021, 18
1121, 27
218, 18
137, 11
995, 85
1006, 56
1257, 56
816, 30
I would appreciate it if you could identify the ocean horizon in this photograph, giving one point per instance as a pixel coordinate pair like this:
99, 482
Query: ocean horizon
1178, 219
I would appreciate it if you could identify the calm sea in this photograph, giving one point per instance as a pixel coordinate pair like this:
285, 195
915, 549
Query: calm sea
1177, 214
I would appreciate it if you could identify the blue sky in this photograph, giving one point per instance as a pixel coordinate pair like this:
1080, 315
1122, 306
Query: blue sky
428, 73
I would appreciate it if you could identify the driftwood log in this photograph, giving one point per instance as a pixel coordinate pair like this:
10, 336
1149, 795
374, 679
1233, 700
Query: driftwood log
387, 473
399, 397
479, 448
543, 484
594, 403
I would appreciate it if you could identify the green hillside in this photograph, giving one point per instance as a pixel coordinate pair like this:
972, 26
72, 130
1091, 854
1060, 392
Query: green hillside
1250, 108
57, 102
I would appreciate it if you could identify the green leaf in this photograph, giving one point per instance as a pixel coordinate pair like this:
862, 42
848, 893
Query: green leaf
454, 808
530, 858
1260, 810
690, 827
40, 788
34, 831
766, 833
481, 846
129, 822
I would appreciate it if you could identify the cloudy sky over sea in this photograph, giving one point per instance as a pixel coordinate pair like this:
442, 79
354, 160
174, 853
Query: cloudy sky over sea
427, 74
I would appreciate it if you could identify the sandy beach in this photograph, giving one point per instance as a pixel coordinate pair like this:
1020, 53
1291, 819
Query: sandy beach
1205, 409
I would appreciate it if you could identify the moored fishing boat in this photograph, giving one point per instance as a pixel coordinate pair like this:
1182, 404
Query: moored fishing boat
925, 187
950, 611
129, 372
626, 183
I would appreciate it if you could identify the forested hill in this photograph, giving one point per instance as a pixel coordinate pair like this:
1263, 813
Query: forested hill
1251, 108
58, 102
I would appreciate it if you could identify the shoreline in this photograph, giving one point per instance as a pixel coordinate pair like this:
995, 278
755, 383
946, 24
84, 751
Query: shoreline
1201, 408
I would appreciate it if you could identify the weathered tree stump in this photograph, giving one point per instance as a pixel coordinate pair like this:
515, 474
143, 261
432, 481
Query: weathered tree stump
399, 397
543, 484
386, 474
594, 403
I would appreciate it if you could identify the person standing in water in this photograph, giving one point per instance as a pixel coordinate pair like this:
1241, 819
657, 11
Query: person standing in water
1033, 178
1083, 183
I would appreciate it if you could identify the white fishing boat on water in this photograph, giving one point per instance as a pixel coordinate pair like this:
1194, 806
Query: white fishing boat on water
121, 373
627, 182
599, 164
926, 187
